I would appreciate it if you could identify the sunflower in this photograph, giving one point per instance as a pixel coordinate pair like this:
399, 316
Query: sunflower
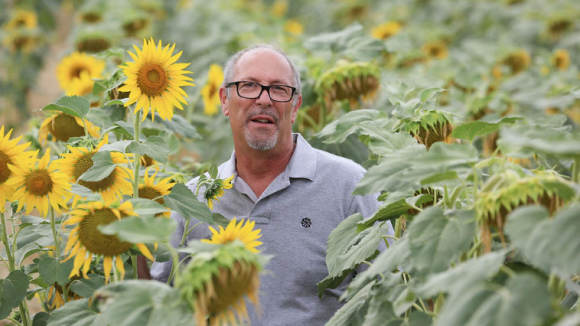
146, 161
22, 18
154, 80
436, 50
216, 283
21, 40
244, 233
10, 153
279, 8
215, 190
210, 92
429, 127
79, 160
150, 190
56, 292
349, 81
71, 69
63, 126
86, 241
294, 27
386, 30
518, 61
561, 59
39, 185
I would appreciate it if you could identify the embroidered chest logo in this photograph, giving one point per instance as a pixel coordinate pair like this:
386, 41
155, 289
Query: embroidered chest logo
306, 222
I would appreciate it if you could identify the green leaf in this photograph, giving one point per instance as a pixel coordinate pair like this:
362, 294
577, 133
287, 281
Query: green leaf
74, 313
394, 205
470, 130
181, 126
355, 306
560, 142
137, 229
339, 130
40, 319
53, 270
220, 219
428, 93
14, 288
384, 142
183, 201
119, 146
143, 303
447, 175
569, 320
71, 105
462, 276
436, 239
126, 128
381, 309
524, 301
102, 167
86, 287
155, 147
146, 207
79, 190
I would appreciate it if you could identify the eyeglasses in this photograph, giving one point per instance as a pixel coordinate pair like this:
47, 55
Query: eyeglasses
252, 90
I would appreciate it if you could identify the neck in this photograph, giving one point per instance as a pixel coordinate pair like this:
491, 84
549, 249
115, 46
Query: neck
260, 168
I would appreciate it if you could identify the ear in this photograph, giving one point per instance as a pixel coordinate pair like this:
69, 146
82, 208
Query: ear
224, 101
296, 107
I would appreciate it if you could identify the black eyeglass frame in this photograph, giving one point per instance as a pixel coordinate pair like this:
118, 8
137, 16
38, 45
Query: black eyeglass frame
264, 87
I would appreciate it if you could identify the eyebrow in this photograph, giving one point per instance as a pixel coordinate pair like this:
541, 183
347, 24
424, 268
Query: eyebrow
273, 82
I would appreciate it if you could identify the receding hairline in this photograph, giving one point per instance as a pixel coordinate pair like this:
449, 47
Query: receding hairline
254, 50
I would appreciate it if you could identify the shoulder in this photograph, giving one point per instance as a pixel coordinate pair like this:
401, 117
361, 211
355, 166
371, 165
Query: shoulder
340, 167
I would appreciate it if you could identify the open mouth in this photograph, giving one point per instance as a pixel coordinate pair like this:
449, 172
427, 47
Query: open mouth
263, 120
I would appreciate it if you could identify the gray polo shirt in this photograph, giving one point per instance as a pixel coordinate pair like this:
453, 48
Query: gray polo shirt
296, 213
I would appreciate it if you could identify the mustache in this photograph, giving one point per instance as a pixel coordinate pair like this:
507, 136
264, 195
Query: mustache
268, 113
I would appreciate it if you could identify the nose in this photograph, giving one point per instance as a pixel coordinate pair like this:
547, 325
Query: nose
264, 99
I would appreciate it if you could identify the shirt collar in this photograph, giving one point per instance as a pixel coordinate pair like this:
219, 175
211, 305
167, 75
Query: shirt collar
301, 165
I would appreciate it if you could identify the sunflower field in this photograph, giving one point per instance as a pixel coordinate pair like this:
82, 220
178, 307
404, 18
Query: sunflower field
466, 115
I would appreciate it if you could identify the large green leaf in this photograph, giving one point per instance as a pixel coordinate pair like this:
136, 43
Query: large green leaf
54, 270
119, 146
155, 147
382, 142
102, 167
524, 301
549, 244
146, 207
86, 287
137, 229
71, 105
472, 129
14, 288
40, 319
338, 130
462, 276
381, 310
75, 313
436, 239
179, 125
143, 303
355, 308
570, 320
335, 41
556, 141
182, 200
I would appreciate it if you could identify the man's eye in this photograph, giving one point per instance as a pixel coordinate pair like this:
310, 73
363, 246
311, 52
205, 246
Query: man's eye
249, 84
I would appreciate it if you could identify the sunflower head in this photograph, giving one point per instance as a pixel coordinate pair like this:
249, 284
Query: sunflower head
279, 8
217, 282
56, 293
214, 188
517, 61
10, 154
559, 25
508, 190
349, 81
86, 240
155, 80
93, 40
210, 92
150, 190
237, 231
37, 184
76, 66
22, 19
386, 30
429, 127
21, 40
436, 49
561, 59
294, 27
62, 127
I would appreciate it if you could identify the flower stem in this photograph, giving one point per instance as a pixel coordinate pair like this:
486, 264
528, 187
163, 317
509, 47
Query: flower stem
134, 264
54, 232
5, 242
137, 157
576, 170
174, 266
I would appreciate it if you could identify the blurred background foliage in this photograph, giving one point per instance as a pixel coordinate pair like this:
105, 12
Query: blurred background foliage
493, 58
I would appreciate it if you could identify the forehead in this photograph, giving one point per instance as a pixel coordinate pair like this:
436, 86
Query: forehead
263, 66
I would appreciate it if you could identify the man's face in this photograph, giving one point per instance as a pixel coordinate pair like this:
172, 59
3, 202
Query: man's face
261, 122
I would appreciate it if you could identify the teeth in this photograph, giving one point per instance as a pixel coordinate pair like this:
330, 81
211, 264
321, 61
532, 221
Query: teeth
262, 120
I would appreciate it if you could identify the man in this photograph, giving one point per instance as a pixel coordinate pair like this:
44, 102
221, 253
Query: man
296, 194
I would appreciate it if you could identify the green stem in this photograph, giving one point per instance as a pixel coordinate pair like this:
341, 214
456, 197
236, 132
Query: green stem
5, 242
13, 320
175, 261
24, 313
576, 170
137, 157
398, 228
186, 232
367, 263
54, 232
508, 271
134, 264
475, 183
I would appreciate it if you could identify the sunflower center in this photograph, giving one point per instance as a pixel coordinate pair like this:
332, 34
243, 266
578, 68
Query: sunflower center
152, 79
96, 242
4, 170
84, 163
39, 182
64, 127
93, 45
230, 285
91, 17
212, 90
151, 193
77, 71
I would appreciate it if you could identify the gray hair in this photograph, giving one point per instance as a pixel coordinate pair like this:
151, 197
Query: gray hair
230, 66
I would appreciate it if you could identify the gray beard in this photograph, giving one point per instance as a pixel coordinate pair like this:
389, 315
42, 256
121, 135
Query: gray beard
261, 144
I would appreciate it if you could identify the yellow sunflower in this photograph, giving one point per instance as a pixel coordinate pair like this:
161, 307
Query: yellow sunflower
215, 190
279, 8
436, 50
39, 185
561, 59
79, 160
155, 80
210, 92
386, 30
294, 27
86, 241
56, 293
63, 126
244, 233
22, 18
150, 190
72, 67
10, 153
